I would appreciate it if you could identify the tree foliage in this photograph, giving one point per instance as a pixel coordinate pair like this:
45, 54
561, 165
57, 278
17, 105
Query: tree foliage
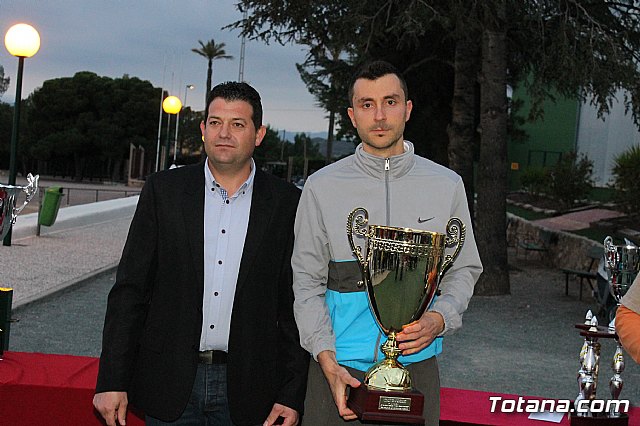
84, 124
571, 179
343, 35
448, 51
535, 181
190, 144
585, 50
270, 149
6, 121
4, 81
626, 172
325, 74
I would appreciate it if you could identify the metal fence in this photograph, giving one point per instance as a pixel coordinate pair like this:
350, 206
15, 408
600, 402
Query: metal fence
89, 195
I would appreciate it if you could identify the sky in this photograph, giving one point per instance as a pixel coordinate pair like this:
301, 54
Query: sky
152, 40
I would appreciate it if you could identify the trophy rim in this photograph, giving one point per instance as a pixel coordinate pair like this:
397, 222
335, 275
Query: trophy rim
416, 231
629, 247
32, 181
608, 243
16, 187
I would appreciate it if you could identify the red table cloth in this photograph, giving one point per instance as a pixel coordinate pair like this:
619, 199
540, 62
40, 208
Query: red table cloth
43, 389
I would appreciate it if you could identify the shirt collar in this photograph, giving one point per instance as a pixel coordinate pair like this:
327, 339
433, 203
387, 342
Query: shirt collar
246, 187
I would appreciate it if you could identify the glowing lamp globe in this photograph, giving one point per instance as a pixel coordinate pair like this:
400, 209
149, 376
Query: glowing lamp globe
22, 40
171, 105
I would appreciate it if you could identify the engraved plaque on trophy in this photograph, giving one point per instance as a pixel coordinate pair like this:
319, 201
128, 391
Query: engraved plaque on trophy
401, 269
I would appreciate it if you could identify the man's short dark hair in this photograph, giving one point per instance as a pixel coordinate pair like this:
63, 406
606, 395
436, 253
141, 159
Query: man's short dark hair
236, 91
373, 71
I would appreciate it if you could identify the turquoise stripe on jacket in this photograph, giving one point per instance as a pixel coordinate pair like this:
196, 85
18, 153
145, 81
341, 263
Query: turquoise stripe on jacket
358, 337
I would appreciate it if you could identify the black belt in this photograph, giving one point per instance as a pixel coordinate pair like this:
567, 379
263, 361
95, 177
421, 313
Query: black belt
212, 357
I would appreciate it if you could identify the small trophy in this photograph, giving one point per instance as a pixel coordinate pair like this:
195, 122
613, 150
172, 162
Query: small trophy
622, 264
8, 196
401, 270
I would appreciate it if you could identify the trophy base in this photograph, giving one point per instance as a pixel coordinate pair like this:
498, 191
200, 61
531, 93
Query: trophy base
604, 420
387, 406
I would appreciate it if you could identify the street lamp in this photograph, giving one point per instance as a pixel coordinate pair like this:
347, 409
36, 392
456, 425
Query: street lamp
175, 141
23, 41
171, 105
159, 130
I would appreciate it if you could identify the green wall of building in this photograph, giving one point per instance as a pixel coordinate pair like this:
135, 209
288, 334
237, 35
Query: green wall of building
548, 137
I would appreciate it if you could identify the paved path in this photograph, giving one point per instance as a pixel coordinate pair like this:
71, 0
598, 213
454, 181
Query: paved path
67, 322
577, 220
37, 266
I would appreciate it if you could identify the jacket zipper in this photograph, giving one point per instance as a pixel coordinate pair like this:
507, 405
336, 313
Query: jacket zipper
386, 190
387, 167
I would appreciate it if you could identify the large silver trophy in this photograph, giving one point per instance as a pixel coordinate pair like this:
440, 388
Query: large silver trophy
8, 214
8, 197
401, 269
622, 263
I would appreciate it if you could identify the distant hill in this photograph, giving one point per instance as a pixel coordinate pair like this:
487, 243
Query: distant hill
340, 148
290, 135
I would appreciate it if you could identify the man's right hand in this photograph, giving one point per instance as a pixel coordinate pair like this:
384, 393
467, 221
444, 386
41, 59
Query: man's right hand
338, 378
112, 406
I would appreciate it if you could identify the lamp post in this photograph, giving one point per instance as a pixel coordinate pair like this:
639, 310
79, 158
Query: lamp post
171, 105
22, 41
175, 141
159, 130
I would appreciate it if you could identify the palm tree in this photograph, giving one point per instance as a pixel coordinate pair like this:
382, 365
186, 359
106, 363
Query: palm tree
212, 51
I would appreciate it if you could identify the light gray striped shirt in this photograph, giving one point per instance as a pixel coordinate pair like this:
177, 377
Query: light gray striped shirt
225, 228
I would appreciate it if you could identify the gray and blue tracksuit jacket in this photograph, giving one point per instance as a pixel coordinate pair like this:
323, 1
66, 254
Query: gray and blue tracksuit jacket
406, 190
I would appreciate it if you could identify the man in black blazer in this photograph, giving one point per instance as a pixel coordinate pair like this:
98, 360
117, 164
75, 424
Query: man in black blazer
199, 325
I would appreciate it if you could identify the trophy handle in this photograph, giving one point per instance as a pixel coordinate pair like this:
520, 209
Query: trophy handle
456, 233
30, 190
609, 247
357, 224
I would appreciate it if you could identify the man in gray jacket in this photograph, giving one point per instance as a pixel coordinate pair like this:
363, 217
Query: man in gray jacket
398, 188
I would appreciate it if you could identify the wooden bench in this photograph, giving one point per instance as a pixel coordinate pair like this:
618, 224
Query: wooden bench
532, 244
590, 273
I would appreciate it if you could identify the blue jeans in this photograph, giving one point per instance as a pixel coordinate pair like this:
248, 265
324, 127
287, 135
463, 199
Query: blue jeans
208, 405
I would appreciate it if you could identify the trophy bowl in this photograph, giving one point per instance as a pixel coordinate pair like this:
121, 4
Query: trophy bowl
401, 270
622, 263
8, 196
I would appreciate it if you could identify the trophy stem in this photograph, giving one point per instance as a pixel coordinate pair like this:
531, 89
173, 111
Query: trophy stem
389, 374
616, 382
390, 348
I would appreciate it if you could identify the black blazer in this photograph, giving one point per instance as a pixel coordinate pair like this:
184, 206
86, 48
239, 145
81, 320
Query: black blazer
154, 315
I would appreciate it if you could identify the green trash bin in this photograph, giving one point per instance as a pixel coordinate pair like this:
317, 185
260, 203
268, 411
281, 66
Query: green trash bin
50, 206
